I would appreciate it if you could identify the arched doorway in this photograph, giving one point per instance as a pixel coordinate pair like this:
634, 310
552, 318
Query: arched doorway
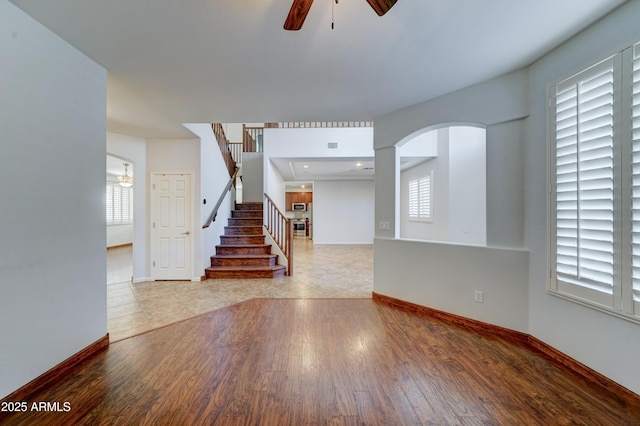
443, 184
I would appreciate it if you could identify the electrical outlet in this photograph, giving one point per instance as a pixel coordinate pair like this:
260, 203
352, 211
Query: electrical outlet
384, 226
479, 296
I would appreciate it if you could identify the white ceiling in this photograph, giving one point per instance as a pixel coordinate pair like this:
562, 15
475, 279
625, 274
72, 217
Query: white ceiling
304, 171
310, 169
173, 62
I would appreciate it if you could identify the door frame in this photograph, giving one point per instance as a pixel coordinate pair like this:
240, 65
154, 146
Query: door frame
152, 215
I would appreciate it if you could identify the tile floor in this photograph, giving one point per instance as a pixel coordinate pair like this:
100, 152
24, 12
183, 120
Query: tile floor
320, 271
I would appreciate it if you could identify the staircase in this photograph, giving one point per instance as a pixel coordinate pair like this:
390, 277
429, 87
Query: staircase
242, 252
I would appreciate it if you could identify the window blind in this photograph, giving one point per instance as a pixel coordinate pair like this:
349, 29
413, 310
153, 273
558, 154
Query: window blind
635, 158
425, 197
413, 198
584, 179
126, 205
109, 203
119, 204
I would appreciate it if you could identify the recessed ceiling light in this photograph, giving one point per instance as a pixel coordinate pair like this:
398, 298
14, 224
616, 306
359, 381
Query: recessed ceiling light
358, 164
305, 166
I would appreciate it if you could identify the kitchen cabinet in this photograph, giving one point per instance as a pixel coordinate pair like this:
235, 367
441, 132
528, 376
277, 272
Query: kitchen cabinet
297, 197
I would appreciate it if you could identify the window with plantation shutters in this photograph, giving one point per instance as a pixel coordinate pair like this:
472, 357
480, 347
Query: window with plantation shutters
595, 185
584, 182
420, 198
119, 204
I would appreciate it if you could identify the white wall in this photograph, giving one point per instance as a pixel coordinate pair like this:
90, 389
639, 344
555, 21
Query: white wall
213, 179
505, 184
421, 145
513, 107
253, 176
179, 156
467, 185
274, 184
233, 131
53, 251
135, 150
445, 276
312, 142
603, 342
343, 212
119, 235
438, 229
467, 106
354, 142
458, 187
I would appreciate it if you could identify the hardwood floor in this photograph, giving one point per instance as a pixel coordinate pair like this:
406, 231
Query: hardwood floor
322, 362
321, 271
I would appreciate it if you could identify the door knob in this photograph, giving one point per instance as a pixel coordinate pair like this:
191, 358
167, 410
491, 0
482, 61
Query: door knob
185, 233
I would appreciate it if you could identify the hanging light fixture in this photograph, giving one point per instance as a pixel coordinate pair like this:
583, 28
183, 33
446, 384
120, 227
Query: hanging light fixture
125, 180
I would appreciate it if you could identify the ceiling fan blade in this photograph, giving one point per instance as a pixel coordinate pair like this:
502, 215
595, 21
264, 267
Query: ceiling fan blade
297, 14
381, 6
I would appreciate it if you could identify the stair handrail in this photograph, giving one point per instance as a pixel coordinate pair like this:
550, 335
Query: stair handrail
214, 212
281, 230
223, 143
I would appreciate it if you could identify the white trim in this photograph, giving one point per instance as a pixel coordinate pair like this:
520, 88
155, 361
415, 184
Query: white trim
595, 306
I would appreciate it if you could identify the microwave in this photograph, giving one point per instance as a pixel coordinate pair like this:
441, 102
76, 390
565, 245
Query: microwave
299, 207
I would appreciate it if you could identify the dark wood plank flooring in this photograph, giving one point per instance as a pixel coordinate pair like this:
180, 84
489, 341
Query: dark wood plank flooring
322, 362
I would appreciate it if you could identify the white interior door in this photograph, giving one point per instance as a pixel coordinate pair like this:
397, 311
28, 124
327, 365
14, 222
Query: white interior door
172, 228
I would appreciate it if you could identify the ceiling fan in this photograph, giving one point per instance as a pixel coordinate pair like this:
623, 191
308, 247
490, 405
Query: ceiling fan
300, 8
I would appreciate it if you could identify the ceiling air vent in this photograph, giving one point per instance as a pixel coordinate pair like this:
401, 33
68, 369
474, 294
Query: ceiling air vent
332, 145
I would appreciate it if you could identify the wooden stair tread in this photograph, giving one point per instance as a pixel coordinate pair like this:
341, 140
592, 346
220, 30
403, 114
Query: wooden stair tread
242, 272
257, 228
245, 221
250, 206
243, 245
245, 256
246, 268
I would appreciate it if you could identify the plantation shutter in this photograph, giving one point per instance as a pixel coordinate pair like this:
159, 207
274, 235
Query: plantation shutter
584, 189
109, 203
126, 205
635, 132
413, 198
420, 198
425, 197
117, 204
